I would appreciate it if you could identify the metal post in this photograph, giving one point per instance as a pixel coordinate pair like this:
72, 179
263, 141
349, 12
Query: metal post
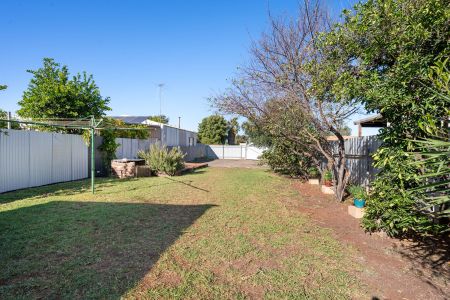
92, 156
9, 118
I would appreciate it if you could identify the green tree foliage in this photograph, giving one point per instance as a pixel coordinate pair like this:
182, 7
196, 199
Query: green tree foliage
282, 158
3, 124
52, 93
233, 129
386, 50
257, 135
3, 87
160, 119
213, 130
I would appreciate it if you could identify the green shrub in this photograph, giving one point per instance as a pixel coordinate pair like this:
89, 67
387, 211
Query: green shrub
283, 160
162, 160
173, 161
313, 172
357, 192
328, 175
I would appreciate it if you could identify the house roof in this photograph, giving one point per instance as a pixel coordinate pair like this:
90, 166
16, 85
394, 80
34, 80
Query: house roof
146, 121
372, 121
131, 119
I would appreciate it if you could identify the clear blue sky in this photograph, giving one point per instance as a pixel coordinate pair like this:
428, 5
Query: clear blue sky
194, 47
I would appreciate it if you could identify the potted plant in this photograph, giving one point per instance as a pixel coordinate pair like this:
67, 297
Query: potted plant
327, 178
359, 195
313, 175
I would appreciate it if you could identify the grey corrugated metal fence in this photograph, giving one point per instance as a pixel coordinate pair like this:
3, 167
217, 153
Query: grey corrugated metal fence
128, 148
31, 158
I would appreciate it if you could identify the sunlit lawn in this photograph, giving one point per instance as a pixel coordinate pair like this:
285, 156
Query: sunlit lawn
217, 233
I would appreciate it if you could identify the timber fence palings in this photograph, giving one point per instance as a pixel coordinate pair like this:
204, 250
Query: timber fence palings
359, 162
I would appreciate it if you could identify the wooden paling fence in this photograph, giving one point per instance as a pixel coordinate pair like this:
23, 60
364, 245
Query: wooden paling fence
359, 151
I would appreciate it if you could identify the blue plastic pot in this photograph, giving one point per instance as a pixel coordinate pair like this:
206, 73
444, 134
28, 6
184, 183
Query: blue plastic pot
359, 203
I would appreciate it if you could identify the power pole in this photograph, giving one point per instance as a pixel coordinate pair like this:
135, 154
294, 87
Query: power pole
160, 98
9, 119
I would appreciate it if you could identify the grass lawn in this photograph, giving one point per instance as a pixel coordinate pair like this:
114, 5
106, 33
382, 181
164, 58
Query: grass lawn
216, 233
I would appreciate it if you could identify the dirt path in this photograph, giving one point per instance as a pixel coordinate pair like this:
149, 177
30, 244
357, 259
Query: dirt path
393, 269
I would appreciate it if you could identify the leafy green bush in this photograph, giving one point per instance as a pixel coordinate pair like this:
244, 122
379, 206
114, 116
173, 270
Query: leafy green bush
357, 192
328, 176
281, 159
162, 160
313, 172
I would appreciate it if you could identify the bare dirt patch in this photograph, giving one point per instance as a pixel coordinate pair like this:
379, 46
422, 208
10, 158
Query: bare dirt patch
393, 269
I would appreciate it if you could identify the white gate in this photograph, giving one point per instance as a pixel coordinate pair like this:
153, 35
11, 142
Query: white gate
242, 151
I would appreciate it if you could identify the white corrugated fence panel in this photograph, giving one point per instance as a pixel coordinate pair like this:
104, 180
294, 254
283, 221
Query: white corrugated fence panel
62, 157
29, 158
232, 152
254, 152
79, 158
41, 152
14, 158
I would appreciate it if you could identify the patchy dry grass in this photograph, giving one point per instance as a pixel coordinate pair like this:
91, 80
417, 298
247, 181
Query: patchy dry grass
216, 233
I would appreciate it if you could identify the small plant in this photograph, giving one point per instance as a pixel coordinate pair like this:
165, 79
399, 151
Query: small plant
359, 195
162, 160
357, 192
313, 172
327, 178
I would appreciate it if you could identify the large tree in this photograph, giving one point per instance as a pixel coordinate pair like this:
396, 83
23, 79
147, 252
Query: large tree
53, 93
284, 93
213, 130
387, 49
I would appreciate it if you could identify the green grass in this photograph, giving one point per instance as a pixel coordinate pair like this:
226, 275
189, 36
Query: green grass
216, 233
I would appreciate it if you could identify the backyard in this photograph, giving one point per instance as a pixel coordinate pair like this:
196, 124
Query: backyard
215, 233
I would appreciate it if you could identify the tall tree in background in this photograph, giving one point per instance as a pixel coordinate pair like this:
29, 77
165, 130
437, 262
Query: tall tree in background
52, 93
284, 92
233, 129
160, 119
213, 130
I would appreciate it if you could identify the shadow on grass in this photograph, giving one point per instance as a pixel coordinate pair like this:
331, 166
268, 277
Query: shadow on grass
56, 189
187, 183
82, 250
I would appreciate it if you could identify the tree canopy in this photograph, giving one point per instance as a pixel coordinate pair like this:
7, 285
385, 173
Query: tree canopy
52, 93
213, 130
160, 119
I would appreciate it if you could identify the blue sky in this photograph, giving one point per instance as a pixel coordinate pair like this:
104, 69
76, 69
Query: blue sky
194, 47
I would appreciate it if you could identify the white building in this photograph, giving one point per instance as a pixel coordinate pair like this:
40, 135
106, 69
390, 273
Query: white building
166, 134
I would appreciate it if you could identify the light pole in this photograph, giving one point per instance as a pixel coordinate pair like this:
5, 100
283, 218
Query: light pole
160, 98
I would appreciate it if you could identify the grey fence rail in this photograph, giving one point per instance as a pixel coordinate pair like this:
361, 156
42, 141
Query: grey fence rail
30, 158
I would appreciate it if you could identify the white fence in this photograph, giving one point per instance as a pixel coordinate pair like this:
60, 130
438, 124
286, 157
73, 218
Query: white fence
30, 158
234, 152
